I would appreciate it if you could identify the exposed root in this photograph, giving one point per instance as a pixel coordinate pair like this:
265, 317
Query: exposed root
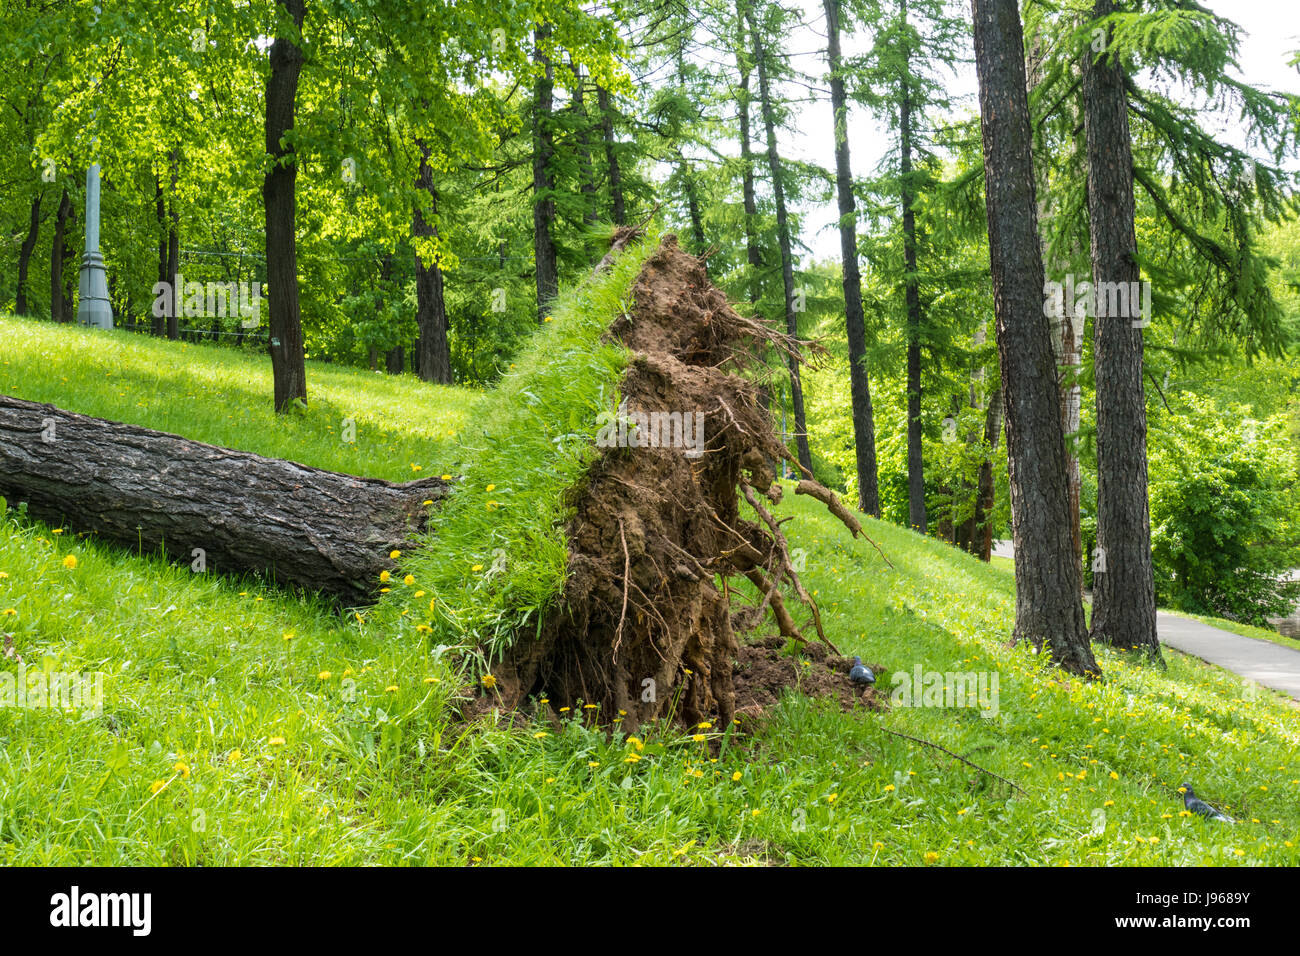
646, 628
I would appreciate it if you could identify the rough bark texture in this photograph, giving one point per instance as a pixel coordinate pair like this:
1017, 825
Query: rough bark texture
618, 208
548, 274
783, 240
433, 359
174, 250
288, 367
864, 427
151, 490
1123, 604
58, 250
1049, 611
912, 300
25, 256
752, 253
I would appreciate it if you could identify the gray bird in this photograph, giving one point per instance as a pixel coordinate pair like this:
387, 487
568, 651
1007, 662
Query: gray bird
1198, 806
860, 674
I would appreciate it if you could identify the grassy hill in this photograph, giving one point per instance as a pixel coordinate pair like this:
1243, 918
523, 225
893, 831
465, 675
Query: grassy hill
245, 725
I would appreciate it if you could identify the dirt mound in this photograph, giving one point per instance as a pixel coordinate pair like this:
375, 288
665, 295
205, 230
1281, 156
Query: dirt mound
648, 620
763, 672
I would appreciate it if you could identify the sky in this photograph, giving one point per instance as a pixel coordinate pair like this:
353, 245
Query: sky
1271, 30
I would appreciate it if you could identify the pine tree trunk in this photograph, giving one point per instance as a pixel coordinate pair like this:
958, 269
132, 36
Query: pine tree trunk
288, 368
25, 256
864, 428
618, 207
158, 323
1049, 612
174, 251
548, 275
151, 490
912, 297
783, 240
58, 249
586, 171
752, 253
433, 356
1123, 606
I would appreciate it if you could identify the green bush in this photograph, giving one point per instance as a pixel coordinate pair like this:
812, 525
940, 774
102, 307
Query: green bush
1224, 503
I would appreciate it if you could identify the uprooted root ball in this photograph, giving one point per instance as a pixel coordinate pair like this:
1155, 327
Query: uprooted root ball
646, 625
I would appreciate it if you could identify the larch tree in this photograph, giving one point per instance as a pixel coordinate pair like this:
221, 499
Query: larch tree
1049, 610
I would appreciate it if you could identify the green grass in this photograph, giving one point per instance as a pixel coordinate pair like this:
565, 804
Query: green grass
211, 674
223, 396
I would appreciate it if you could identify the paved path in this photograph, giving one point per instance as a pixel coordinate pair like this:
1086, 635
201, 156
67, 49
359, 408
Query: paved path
1264, 662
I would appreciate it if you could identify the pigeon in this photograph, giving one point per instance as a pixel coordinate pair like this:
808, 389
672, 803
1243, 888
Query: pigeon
1194, 803
860, 674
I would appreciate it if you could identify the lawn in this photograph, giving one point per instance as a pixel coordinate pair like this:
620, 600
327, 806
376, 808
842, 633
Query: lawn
242, 724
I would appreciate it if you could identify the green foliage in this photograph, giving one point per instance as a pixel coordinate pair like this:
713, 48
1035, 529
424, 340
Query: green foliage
1224, 506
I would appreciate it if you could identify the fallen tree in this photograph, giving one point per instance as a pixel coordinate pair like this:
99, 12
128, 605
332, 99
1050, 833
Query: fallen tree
213, 508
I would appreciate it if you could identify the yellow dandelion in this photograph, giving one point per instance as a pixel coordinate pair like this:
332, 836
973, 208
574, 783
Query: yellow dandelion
931, 857
70, 561
409, 580
394, 554
157, 785
489, 681
276, 741
889, 788
324, 675
491, 488
182, 769
540, 734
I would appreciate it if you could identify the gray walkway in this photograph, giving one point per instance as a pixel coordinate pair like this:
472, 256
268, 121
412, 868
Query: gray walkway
1263, 662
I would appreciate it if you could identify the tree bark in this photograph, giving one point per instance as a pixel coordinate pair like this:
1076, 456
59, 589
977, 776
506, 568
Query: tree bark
1123, 605
547, 266
1049, 611
58, 250
586, 170
783, 240
25, 256
288, 368
617, 203
912, 300
752, 253
433, 356
151, 490
174, 250
864, 428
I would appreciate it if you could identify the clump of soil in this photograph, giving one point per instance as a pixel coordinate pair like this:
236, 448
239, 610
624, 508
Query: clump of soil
648, 622
763, 671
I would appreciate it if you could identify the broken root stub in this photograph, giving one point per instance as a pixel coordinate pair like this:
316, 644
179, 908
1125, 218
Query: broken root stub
643, 627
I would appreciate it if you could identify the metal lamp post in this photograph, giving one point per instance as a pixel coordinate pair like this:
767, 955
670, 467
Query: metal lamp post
94, 307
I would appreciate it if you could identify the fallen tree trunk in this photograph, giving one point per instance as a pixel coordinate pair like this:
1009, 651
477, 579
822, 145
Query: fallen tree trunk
216, 509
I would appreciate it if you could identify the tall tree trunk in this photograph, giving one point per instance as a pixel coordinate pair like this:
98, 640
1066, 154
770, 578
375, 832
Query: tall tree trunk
174, 251
783, 240
548, 270
586, 171
288, 368
1067, 328
618, 207
158, 323
25, 255
58, 250
912, 297
1049, 611
433, 357
752, 253
1124, 606
864, 428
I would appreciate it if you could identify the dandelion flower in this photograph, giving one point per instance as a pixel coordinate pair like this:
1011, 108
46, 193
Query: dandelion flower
409, 580
394, 554
182, 769
735, 776
931, 857
324, 675
276, 741
157, 785
385, 576
489, 681
70, 561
